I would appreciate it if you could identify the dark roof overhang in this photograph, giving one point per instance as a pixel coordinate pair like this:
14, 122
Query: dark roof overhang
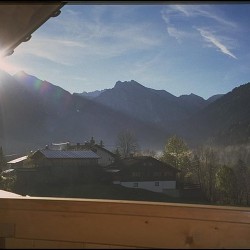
18, 20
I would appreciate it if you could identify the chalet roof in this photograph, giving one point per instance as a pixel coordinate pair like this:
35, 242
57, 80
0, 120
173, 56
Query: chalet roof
18, 159
86, 146
69, 154
104, 149
139, 160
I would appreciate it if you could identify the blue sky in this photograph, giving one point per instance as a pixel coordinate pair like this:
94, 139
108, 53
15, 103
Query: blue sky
201, 49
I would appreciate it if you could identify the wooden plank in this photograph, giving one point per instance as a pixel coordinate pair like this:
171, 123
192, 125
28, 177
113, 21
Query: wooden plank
41, 244
126, 224
126, 230
185, 211
2, 243
45, 244
7, 229
102, 246
12, 243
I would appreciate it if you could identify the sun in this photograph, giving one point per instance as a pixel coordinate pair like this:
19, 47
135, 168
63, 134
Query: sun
8, 67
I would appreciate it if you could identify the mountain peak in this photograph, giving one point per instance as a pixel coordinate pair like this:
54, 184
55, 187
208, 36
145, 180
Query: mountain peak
192, 95
131, 83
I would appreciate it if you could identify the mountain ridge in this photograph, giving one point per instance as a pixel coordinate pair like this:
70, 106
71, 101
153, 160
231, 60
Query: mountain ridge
35, 113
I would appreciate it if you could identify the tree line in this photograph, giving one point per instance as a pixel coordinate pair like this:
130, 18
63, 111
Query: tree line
222, 173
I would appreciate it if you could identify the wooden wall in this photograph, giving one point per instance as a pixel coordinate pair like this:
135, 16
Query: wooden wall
82, 223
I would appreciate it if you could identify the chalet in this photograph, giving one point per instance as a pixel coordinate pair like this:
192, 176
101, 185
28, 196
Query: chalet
106, 157
14, 165
66, 165
56, 166
65, 158
144, 172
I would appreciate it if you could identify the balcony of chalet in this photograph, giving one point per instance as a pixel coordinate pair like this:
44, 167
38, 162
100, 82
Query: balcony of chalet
36, 222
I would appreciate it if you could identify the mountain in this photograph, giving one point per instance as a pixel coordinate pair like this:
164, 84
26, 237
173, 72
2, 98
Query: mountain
35, 113
214, 98
54, 100
226, 120
30, 109
193, 102
91, 94
149, 105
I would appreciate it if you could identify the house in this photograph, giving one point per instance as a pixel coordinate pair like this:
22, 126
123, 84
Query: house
106, 157
56, 166
64, 158
144, 172
17, 163
66, 165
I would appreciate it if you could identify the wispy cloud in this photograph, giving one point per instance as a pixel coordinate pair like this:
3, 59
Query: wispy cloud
172, 16
91, 37
48, 49
210, 38
204, 11
191, 15
178, 34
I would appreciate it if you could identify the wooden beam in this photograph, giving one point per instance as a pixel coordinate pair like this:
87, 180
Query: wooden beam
126, 224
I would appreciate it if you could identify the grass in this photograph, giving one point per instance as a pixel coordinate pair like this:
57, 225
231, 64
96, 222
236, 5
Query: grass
104, 191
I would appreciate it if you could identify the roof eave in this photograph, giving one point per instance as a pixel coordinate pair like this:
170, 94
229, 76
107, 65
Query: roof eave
12, 38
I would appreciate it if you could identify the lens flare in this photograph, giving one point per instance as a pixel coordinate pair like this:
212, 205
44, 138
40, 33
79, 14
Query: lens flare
8, 67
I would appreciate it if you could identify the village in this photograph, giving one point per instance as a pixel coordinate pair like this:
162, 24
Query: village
89, 163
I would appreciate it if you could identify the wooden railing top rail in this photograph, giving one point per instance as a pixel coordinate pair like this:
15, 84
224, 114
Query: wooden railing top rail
126, 223
140, 208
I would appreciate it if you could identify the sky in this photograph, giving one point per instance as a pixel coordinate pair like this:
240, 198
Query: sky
201, 49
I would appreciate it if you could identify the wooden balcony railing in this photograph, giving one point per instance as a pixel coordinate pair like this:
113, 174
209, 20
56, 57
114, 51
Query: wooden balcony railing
83, 223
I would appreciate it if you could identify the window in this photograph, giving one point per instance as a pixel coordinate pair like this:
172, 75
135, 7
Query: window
51, 100
135, 184
157, 183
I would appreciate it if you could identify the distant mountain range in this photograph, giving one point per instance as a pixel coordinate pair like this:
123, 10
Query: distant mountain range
146, 104
92, 94
34, 113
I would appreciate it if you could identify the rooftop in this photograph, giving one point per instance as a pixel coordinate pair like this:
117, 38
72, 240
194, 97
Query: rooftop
69, 154
18, 159
138, 160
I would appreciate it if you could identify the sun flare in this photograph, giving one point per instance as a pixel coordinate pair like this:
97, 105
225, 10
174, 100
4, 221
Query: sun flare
8, 67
